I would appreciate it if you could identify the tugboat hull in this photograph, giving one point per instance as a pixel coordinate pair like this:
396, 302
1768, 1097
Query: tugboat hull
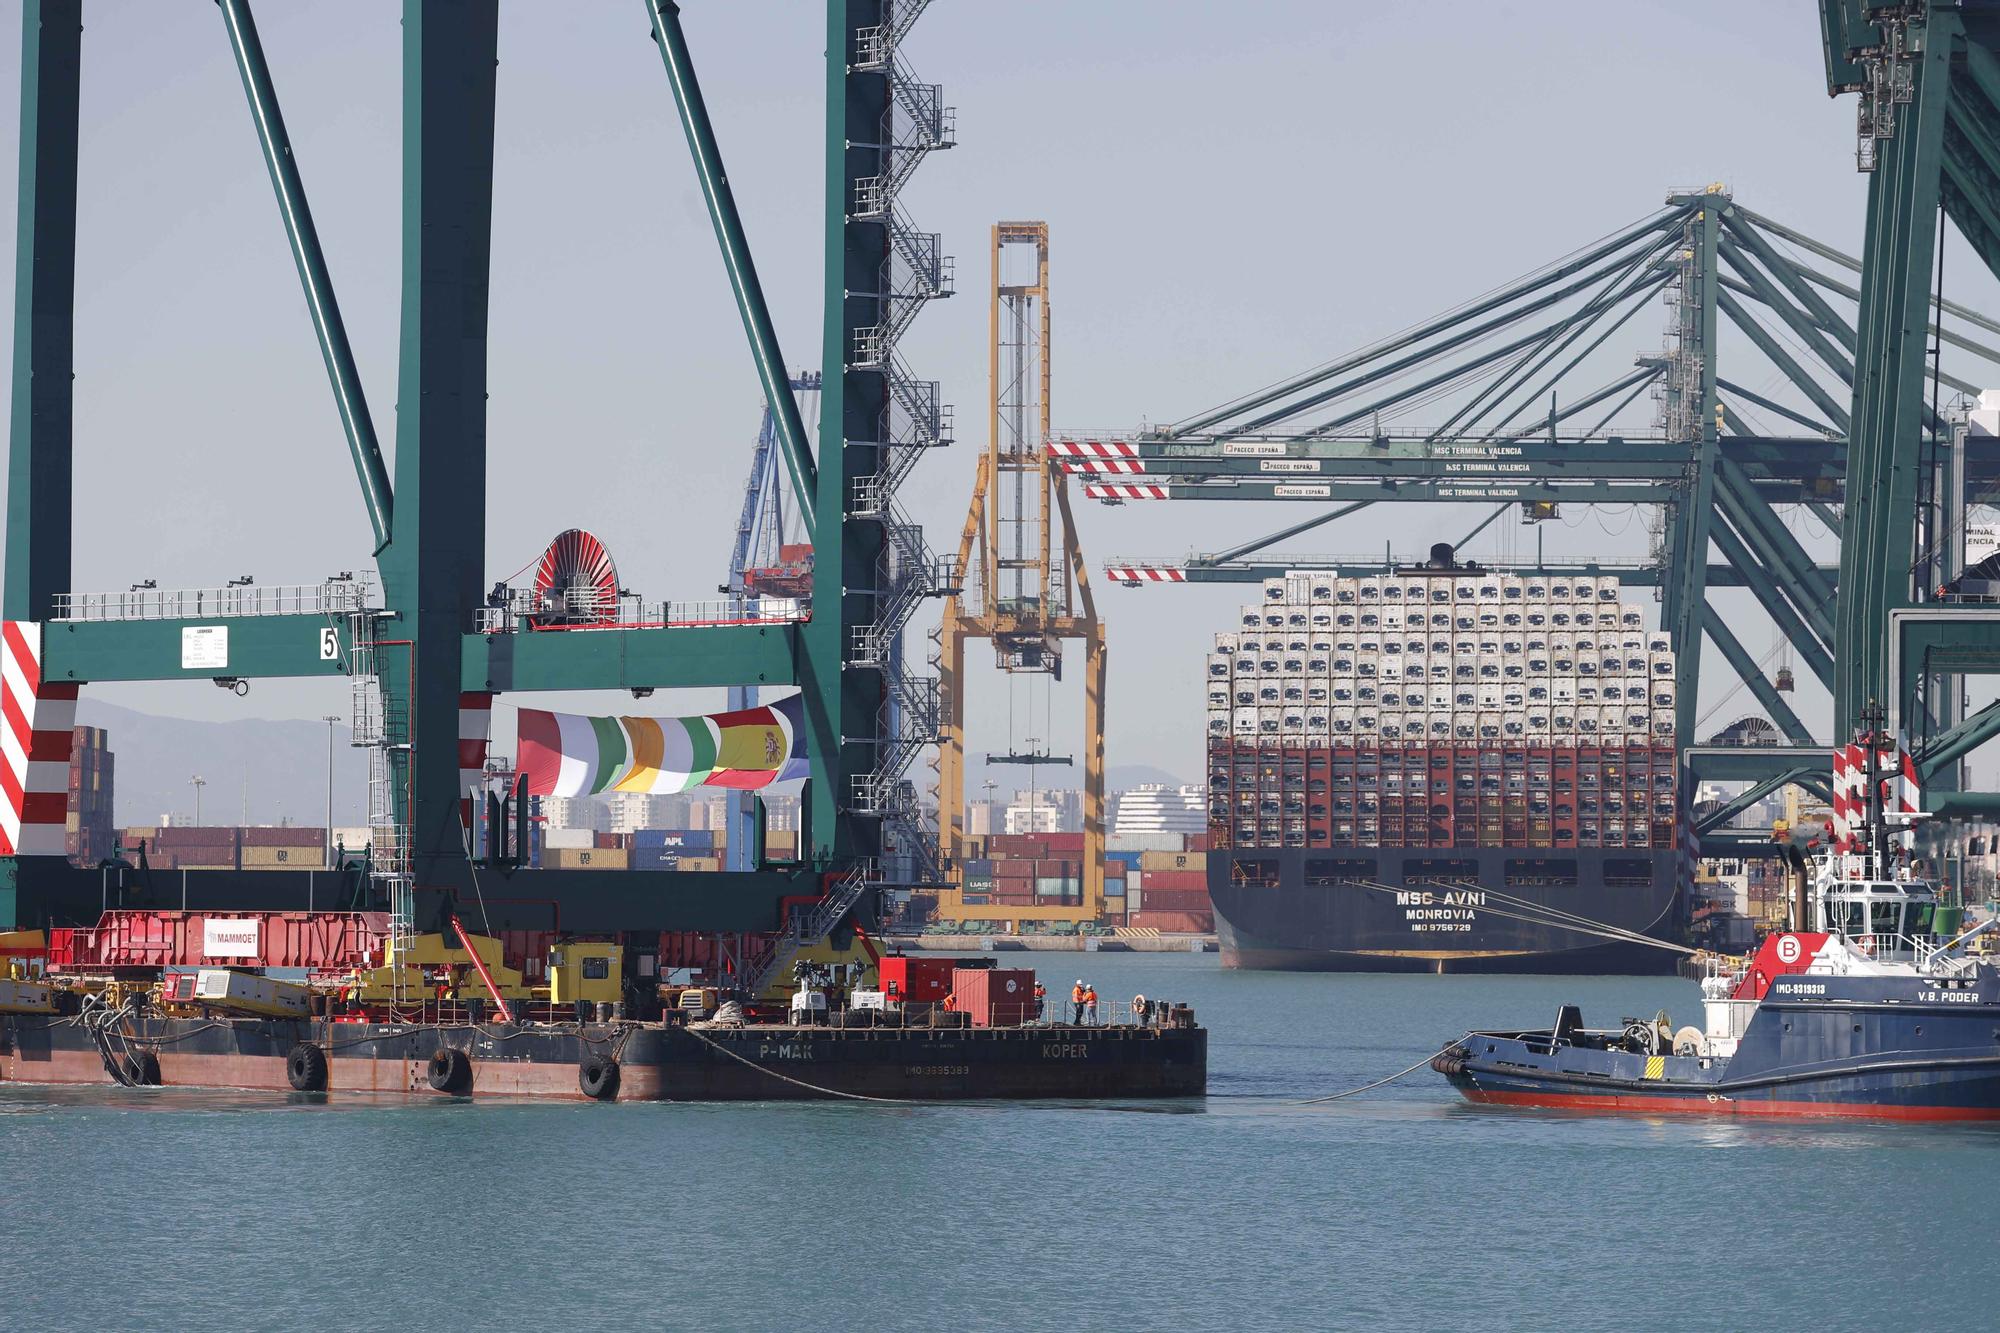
1905, 1048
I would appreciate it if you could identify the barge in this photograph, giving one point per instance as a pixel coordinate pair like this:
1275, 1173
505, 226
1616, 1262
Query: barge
615, 1061
142, 1001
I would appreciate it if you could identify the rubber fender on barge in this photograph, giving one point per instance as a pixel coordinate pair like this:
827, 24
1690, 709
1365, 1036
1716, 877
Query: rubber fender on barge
450, 1070
597, 1077
305, 1068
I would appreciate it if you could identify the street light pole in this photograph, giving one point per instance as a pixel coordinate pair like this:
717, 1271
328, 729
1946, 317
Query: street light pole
329, 719
197, 782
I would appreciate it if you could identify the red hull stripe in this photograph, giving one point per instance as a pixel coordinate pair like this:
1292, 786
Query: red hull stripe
1701, 1105
45, 807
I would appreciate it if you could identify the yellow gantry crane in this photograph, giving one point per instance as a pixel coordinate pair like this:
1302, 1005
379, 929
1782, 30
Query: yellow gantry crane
1021, 575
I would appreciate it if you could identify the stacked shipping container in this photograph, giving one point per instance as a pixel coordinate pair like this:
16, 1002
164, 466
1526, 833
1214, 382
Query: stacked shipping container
89, 836
289, 848
1438, 709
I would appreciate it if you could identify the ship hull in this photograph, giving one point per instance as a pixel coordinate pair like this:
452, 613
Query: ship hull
1400, 915
654, 1062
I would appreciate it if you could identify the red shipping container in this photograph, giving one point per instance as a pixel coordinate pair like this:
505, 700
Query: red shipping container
284, 837
1196, 842
1168, 881
1175, 900
171, 857
1064, 844
916, 980
1019, 846
200, 835
994, 996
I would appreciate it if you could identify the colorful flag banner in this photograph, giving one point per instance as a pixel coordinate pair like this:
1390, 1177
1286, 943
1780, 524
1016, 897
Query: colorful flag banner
751, 749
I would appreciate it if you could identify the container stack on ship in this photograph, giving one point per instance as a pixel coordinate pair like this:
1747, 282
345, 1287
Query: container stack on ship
1443, 769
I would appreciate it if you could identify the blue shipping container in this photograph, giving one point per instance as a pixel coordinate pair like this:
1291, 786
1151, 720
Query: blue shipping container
1129, 858
696, 841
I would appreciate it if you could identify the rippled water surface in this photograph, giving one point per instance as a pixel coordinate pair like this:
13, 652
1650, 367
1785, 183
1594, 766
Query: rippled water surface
176, 1208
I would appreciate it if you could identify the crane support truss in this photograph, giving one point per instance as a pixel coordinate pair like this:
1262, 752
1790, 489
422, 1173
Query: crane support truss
425, 645
1722, 462
1928, 134
1021, 581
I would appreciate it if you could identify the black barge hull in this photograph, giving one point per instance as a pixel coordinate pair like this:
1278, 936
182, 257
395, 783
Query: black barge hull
652, 1062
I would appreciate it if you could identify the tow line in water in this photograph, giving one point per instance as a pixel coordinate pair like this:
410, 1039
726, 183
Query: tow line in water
1370, 1087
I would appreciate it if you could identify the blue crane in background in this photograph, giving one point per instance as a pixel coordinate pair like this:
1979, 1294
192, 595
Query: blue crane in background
759, 565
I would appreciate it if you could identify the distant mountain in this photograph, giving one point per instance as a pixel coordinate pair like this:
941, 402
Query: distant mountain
1010, 779
1122, 777
281, 765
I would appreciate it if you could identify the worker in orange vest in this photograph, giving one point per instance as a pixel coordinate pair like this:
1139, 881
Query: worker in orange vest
950, 1003
1090, 1004
1076, 1002
1041, 997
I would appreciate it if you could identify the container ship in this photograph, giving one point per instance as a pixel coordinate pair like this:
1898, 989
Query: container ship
1444, 769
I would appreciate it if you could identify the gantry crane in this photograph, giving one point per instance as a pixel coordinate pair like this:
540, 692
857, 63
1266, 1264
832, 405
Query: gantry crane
1020, 573
763, 564
427, 656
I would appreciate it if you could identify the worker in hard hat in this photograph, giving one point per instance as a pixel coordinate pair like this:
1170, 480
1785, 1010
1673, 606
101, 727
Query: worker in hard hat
1076, 1002
1090, 1004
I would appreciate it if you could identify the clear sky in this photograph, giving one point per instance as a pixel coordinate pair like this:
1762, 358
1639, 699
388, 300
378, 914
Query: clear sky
1236, 192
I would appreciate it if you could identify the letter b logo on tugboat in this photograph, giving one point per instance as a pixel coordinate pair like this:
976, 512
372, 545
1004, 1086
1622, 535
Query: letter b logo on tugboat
1788, 949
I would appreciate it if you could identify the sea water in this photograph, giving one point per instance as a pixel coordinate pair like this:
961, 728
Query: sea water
1398, 1209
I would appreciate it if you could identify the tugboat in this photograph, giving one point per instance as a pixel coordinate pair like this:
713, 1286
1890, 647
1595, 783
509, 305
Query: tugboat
1872, 1012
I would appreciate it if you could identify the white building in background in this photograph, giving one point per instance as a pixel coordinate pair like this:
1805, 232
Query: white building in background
1157, 808
577, 812
630, 811
1058, 810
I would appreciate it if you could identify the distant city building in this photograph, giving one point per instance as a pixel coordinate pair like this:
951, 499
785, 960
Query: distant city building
630, 811
979, 819
781, 814
1155, 807
576, 812
1058, 810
